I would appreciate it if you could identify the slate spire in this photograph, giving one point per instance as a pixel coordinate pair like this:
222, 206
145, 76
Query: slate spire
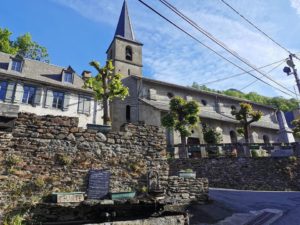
124, 28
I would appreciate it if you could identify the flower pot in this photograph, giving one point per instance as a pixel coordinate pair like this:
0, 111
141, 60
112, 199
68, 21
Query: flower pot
122, 195
187, 174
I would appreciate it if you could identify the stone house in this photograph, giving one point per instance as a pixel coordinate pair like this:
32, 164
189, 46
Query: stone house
149, 99
32, 86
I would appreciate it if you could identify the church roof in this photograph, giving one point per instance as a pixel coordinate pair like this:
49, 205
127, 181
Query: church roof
124, 28
208, 114
186, 88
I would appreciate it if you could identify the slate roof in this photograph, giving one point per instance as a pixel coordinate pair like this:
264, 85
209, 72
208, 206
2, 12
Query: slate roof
199, 91
42, 73
124, 28
209, 114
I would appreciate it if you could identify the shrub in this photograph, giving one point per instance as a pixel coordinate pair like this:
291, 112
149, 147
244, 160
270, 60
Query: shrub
144, 189
39, 183
212, 136
64, 160
135, 167
255, 153
293, 159
14, 220
12, 160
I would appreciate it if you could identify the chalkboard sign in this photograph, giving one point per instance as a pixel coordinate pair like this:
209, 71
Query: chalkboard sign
98, 184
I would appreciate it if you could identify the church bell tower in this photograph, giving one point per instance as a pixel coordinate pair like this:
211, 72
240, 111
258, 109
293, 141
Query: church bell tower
125, 51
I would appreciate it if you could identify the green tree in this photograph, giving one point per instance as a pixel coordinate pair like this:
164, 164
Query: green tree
30, 49
211, 136
6, 45
106, 86
182, 116
296, 129
246, 115
277, 102
23, 45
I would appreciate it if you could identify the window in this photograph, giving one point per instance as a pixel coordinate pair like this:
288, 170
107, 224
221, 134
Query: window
68, 77
128, 72
3, 87
16, 65
84, 105
233, 137
204, 102
266, 139
4, 66
170, 95
29, 95
128, 113
58, 100
128, 54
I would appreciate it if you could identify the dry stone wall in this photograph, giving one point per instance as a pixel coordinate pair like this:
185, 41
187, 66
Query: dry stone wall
274, 174
45, 154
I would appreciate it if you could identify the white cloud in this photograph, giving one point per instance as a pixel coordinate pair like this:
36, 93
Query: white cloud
296, 4
174, 57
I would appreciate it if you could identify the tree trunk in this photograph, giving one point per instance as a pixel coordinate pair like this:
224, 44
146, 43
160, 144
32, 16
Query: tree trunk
184, 150
246, 134
106, 120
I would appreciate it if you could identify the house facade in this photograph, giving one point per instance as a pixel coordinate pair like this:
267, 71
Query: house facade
149, 99
41, 88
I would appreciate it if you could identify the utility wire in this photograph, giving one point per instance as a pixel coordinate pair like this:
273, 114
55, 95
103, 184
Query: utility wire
222, 45
200, 42
248, 85
239, 74
257, 28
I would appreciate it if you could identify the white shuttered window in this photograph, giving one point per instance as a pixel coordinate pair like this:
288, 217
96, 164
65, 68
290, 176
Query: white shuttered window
84, 105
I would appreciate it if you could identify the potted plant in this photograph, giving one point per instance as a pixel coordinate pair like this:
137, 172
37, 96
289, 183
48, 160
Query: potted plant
127, 194
187, 173
106, 86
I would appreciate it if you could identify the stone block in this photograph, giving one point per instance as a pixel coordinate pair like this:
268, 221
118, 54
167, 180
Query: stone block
70, 197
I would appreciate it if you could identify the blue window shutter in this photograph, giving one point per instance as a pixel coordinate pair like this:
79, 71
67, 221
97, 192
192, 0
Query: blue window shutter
66, 101
10, 92
38, 96
49, 99
19, 93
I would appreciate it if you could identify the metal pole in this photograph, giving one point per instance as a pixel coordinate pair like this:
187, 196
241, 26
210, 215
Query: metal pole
295, 72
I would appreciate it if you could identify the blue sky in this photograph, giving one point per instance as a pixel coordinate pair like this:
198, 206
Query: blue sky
78, 31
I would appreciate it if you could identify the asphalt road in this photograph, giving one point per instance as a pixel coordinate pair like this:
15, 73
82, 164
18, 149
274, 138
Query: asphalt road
244, 201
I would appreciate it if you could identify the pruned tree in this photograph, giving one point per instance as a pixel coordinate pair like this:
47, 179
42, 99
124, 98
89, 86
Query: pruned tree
246, 115
182, 116
106, 86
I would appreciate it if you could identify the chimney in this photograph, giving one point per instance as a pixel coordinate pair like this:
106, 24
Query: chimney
86, 74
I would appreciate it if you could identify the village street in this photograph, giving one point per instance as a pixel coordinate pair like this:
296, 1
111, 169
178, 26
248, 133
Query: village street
244, 201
